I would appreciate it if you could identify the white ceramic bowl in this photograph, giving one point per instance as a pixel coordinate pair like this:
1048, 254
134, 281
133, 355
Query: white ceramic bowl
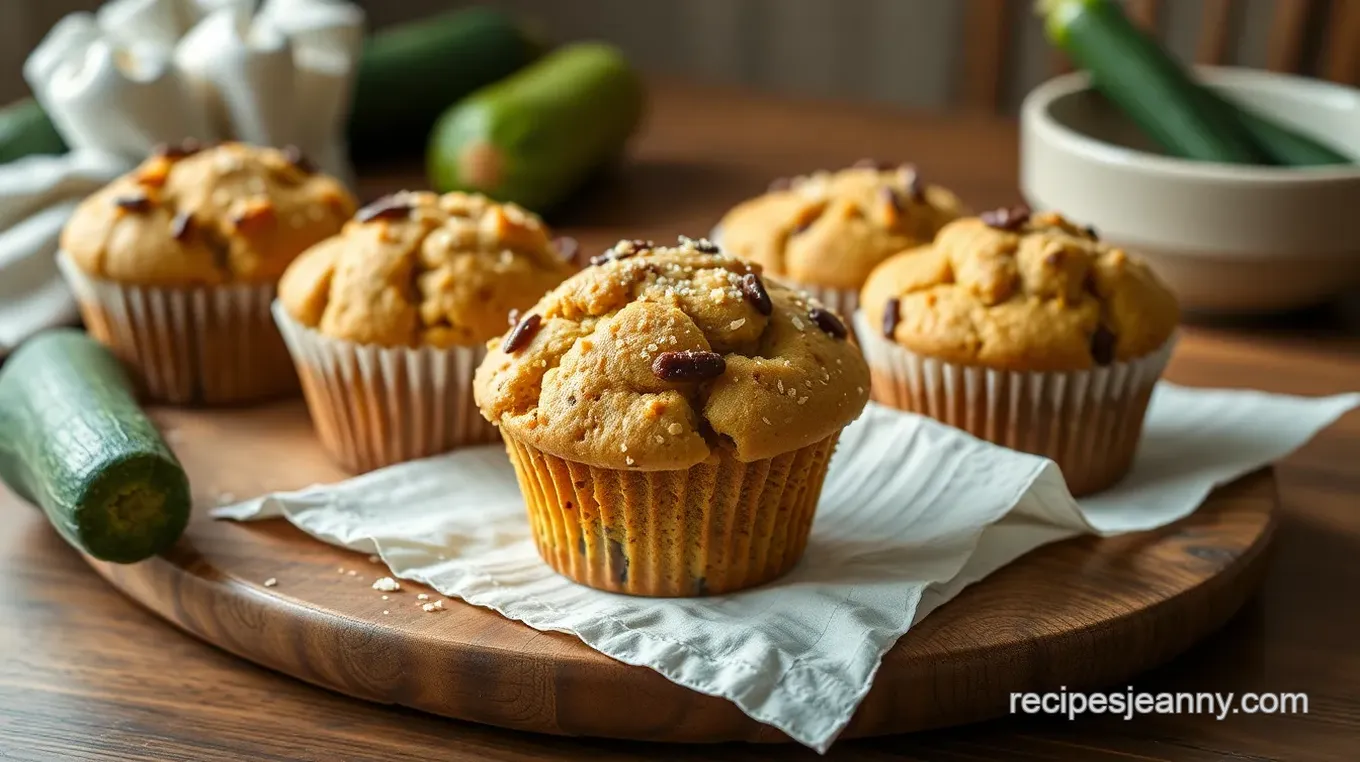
1226, 238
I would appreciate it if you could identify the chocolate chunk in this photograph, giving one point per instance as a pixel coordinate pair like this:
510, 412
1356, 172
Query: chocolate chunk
629, 248
294, 155
915, 189
181, 226
706, 246
892, 315
522, 334
385, 208
873, 164
186, 147
1012, 218
567, 247
827, 321
1102, 346
1091, 233
688, 365
136, 202
753, 288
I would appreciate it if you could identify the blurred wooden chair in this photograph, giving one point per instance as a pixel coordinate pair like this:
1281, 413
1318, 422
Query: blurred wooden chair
1332, 25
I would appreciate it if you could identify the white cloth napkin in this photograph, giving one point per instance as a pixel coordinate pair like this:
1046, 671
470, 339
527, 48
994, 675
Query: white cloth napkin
912, 512
142, 72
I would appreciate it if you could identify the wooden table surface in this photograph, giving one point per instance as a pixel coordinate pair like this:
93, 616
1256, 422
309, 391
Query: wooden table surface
87, 675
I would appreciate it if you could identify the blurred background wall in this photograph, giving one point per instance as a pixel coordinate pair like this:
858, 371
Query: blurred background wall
923, 54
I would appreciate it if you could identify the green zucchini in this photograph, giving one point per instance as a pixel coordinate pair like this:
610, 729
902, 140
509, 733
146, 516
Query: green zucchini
1280, 144
537, 136
1131, 70
26, 130
410, 73
74, 442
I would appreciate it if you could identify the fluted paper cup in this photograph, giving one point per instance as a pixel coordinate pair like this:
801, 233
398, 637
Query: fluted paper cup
1089, 422
715, 528
199, 345
375, 406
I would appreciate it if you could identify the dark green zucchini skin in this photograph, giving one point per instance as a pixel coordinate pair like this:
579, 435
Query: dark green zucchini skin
1133, 72
1280, 144
544, 131
74, 442
410, 73
25, 130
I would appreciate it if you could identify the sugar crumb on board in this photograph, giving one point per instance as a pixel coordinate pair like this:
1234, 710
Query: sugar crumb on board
387, 585
271, 582
430, 608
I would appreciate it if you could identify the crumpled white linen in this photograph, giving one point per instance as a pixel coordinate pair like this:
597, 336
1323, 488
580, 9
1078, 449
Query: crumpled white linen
911, 513
137, 73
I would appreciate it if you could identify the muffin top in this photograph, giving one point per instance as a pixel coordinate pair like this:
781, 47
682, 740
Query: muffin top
417, 268
655, 357
191, 216
1016, 291
831, 229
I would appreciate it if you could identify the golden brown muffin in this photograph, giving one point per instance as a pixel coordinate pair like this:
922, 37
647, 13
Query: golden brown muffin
1027, 331
588, 385
670, 416
174, 266
419, 269
187, 216
831, 229
1019, 292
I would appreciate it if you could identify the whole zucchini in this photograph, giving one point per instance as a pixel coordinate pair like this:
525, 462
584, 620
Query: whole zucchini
537, 136
410, 73
25, 130
74, 442
1147, 84
1280, 144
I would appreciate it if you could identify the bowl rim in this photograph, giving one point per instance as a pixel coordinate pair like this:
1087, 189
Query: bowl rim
1036, 113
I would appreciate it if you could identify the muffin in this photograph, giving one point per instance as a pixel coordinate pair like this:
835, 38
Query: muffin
388, 320
174, 266
1027, 331
670, 415
825, 233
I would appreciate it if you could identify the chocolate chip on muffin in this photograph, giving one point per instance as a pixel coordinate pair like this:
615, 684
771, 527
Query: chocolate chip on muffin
669, 367
826, 231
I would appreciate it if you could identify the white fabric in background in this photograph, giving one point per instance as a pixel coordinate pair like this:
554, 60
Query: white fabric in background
142, 72
912, 511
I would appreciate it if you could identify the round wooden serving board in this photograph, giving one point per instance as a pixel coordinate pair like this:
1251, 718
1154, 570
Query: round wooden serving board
1083, 613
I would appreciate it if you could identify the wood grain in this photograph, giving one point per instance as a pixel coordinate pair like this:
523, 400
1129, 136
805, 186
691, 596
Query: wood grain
87, 675
1214, 32
1288, 25
987, 40
1083, 613
1342, 41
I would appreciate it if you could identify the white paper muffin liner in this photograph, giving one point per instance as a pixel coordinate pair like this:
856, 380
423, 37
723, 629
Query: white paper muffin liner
1087, 421
195, 345
374, 406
